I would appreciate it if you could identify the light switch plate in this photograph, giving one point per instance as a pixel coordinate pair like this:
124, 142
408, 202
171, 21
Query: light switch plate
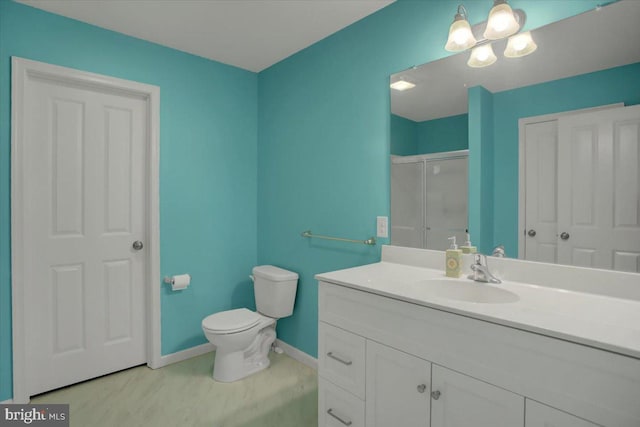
382, 226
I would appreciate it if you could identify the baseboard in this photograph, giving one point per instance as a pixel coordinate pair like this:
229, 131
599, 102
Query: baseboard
7, 402
179, 356
298, 355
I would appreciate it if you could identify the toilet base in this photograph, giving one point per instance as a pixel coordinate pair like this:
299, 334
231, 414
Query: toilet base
233, 366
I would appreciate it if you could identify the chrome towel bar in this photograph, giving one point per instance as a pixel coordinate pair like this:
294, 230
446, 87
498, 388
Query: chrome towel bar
370, 241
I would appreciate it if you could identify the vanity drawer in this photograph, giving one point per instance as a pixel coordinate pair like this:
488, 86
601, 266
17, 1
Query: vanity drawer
337, 408
341, 358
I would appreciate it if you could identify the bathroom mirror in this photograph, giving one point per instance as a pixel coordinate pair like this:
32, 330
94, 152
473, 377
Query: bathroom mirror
536, 121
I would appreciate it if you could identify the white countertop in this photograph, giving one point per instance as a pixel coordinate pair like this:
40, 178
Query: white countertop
599, 321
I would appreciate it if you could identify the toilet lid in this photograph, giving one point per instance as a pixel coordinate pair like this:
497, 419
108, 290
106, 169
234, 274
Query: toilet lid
231, 321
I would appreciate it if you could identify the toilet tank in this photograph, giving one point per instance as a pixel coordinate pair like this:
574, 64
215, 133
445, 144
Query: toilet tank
275, 290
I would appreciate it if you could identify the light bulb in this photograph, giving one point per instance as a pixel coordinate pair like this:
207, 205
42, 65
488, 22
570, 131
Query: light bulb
460, 34
502, 22
520, 45
482, 56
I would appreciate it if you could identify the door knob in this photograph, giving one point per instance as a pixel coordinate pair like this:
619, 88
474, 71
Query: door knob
137, 245
422, 388
564, 235
435, 395
531, 233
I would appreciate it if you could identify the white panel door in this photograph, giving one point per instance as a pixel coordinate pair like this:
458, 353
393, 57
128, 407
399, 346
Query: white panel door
599, 189
539, 415
84, 204
541, 211
407, 204
446, 202
462, 401
398, 388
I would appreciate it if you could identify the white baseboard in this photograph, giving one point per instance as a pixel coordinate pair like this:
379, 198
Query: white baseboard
298, 355
179, 356
6, 402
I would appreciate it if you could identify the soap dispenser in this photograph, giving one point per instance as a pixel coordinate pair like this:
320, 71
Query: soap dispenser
468, 248
453, 259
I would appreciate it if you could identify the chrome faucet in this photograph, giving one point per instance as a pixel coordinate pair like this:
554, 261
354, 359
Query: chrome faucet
481, 271
498, 251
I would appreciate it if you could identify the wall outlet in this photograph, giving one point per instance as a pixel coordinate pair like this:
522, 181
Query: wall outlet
382, 226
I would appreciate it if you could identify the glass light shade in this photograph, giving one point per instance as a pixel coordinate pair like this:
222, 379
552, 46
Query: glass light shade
520, 45
460, 36
482, 56
501, 23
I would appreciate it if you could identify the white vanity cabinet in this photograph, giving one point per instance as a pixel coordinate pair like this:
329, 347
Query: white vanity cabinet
387, 362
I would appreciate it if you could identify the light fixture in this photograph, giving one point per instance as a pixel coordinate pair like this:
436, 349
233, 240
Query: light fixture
502, 22
460, 35
520, 45
482, 56
401, 85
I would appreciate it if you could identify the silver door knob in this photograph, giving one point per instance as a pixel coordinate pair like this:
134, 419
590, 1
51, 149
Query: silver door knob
531, 233
564, 235
137, 245
422, 388
435, 395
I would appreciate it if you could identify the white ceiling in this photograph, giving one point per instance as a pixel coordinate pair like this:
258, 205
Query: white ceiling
593, 41
250, 34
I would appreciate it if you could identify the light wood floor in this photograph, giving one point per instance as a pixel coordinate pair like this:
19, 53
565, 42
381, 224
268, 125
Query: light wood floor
184, 394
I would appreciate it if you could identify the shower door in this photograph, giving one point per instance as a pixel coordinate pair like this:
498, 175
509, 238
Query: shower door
446, 201
429, 200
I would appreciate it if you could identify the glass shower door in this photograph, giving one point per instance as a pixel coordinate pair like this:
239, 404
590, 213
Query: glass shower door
446, 201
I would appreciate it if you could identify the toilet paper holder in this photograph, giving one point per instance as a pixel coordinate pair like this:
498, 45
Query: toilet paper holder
179, 282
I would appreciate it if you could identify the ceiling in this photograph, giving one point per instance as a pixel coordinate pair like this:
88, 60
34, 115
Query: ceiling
593, 41
250, 34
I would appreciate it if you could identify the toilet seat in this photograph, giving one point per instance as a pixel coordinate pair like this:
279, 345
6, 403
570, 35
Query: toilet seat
231, 321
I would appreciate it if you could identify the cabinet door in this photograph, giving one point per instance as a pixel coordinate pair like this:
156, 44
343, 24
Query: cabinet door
397, 388
539, 415
462, 401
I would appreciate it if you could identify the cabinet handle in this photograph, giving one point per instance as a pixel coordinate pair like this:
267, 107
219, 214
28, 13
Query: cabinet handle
339, 359
342, 420
435, 395
422, 388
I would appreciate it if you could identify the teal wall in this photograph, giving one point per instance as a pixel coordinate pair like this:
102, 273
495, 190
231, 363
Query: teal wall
445, 134
404, 136
611, 86
323, 140
481, 150
409, 138
208, 164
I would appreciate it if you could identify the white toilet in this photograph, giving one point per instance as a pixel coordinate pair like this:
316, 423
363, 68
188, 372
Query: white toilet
243, 337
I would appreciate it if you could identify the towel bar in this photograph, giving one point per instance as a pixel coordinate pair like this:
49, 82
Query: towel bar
370, 241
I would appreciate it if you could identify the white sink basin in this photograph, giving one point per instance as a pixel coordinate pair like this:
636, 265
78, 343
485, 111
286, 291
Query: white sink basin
469, 291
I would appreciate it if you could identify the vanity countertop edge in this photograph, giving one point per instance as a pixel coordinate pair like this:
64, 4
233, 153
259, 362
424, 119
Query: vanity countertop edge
599, 321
